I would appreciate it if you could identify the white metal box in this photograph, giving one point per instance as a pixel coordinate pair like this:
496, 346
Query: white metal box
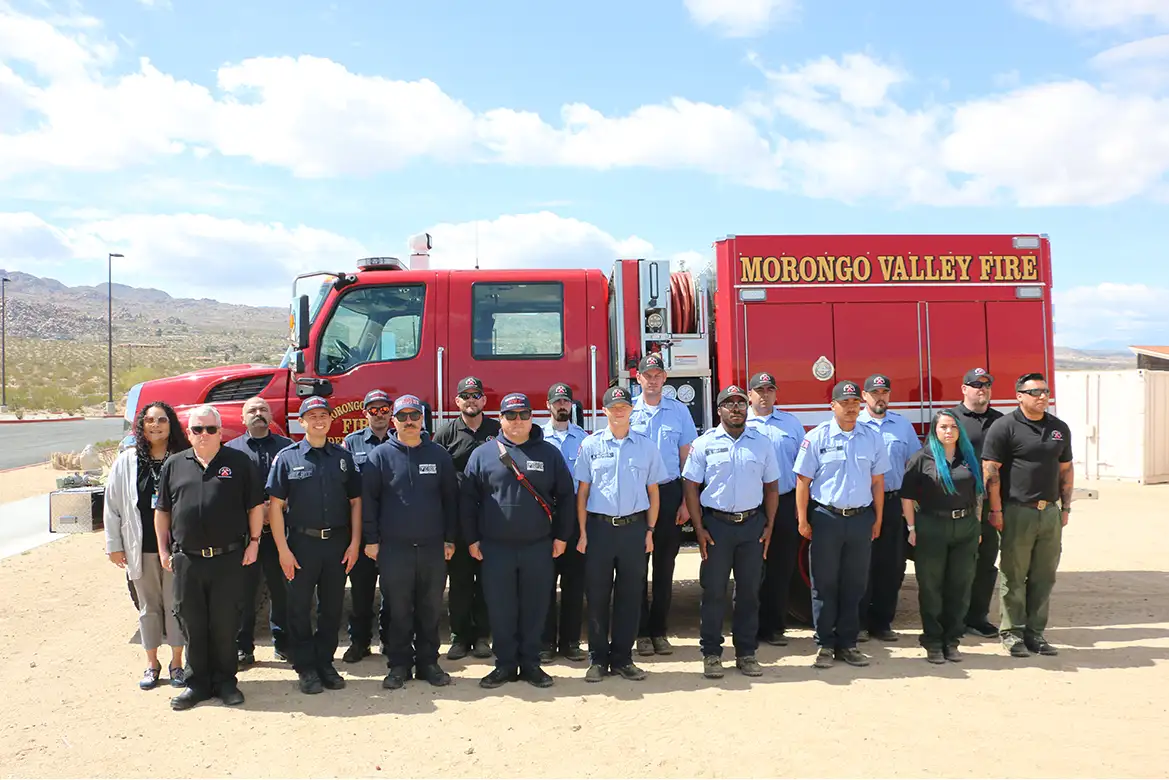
76, 510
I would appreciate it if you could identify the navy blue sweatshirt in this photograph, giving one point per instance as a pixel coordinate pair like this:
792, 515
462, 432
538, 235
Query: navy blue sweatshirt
409, 494
496, 506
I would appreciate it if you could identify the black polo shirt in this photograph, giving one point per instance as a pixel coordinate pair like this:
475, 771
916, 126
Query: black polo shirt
924, 485
460, 441
208, 506
316, 483
975, 425
261, 451
1030, 451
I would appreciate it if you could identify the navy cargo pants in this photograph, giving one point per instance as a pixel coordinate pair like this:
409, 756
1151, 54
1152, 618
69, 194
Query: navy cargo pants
517, 581
321, 574
413, 577
839, 555
736, 548
615, 567
886, 569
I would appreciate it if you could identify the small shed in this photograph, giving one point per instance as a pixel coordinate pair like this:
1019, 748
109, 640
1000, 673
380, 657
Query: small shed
1119, 422
1152, 358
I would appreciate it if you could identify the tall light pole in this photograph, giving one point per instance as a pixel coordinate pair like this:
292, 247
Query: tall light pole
110, 333
4, 344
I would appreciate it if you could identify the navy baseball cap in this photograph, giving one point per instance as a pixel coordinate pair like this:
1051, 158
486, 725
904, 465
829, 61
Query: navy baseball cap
469, 383
314, 402
731, 391
878, 382
560, 392
977, 376
408, 402
845, 390
615, 396
651, 361
762, 379
375, 397
515, 402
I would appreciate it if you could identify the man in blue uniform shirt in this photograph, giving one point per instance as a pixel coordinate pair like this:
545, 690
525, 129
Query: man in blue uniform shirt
517, 516
734, 466
786, 432
261, 445
618, 471
887, 564
668, 424
363, 577
564, 624
840, 496
410, 509
318, 483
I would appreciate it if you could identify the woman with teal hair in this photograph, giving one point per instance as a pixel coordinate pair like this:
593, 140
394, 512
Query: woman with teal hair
941, 497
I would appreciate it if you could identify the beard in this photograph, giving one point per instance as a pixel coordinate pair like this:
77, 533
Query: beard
472, 412
562, 415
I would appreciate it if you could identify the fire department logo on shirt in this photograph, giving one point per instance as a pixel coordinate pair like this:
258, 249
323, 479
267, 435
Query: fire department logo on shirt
224, 472
1056, 436
804, 444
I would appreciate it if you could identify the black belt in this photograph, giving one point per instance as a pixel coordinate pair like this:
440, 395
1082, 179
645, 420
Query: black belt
320, 533
856, 510
1040, 505
210, 552
892, 494
732, 517
619, 521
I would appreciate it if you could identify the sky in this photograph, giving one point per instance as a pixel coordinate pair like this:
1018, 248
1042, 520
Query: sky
224, 147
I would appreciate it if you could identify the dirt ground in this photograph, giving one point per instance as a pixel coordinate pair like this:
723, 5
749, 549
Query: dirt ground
18, 484
71, 663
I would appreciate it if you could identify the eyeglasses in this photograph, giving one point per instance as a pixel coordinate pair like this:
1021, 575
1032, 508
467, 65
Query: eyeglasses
411, 416
470, 396
524, 415
201, 429
156, 420
733, 406
1036, 392
377, 410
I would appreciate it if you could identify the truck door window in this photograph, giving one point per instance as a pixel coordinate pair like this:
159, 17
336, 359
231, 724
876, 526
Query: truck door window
517, 321
372, 325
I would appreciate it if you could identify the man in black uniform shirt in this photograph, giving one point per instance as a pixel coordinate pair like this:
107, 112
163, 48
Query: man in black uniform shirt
468, 608
976, 416
261, 445
318, 482
208, 520
1027, 463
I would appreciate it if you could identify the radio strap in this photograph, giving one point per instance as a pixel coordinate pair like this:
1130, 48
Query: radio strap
507, 459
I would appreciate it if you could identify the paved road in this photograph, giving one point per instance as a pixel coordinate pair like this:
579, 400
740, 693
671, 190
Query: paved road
23, 444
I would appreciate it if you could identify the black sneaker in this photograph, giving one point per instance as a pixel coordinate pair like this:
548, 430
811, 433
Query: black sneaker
396, 678
935, 656
355, 653
712, 667
630, 671
644, 646
983, 629
536, 676
774, 638
951, 653
1040, 645
458, 651
244, 659
574, 653
885, 635
595, 673
231, 696
863, 636
1016, 646
749, 666
331, 679
498, 677
852, 656
310, 682
547, 654
661, 645
482, 649
825, 658
434, 675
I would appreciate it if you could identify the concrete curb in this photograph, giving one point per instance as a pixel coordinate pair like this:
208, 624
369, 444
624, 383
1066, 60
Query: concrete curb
29, 466
41, 420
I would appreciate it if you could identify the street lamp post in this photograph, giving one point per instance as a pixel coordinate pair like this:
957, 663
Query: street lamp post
4, 344
110, 323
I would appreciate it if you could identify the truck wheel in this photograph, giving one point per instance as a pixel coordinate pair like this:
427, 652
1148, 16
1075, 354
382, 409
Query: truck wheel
799, 601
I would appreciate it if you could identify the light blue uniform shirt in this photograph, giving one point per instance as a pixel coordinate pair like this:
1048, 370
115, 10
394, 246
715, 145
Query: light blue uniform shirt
733, 470
567, 442
842, 465
670, 427
900, 442
618, 471
786, 432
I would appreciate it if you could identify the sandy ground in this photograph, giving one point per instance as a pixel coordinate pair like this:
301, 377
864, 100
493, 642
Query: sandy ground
18, 484
71, 663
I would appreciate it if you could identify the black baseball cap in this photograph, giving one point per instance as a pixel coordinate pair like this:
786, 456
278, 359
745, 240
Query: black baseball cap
731, 391
878, 382
651, 361
616, 396
469, 383
845, 390
977, 376
761, 379
515, 402
560, 392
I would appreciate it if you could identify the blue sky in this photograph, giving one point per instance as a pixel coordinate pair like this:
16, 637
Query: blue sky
223, 147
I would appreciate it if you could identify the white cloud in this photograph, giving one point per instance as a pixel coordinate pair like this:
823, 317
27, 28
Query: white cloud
1109, 314
1137, 65
1097, 14
740, 18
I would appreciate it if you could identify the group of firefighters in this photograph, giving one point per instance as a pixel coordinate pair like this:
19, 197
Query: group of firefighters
507, 509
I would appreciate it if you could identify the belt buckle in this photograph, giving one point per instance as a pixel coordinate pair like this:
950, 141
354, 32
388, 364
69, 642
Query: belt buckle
207, 552
1041, 505
326, 533
957, 514
739, 516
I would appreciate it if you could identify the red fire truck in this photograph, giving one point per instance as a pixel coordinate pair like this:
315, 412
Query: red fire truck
922, 309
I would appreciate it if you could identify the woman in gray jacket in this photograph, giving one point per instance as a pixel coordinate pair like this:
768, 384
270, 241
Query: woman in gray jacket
131, 494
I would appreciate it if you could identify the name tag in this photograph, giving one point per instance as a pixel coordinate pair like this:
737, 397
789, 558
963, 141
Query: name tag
154, 500
718, 450
832, 456
535, 465
427, 468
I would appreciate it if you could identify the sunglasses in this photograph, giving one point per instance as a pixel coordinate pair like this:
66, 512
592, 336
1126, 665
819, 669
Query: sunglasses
156, 420
411, 416
377, 410
979, 385
201, 429
1036, 392
470, 396
524, 415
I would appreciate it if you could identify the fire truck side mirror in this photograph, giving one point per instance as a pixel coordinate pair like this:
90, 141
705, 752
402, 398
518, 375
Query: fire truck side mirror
300, 325
298, 362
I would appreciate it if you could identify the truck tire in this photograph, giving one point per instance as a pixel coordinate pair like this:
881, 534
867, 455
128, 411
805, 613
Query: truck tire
799, 600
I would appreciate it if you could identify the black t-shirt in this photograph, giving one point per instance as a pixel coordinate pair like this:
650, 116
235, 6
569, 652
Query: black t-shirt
209, 507
975, 425
460, 441
923, 484
1030, 452
148, 473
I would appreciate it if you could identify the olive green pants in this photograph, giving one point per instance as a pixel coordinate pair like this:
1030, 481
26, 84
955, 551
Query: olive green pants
944, 561
1029, 557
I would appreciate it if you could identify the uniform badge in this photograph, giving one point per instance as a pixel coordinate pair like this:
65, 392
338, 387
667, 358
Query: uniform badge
427, 468
823, 369
224, 472
804, 444
1056, 436
344, 465
490, 438
535, 465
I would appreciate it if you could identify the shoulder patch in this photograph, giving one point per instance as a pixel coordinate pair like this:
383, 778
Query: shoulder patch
805, 444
